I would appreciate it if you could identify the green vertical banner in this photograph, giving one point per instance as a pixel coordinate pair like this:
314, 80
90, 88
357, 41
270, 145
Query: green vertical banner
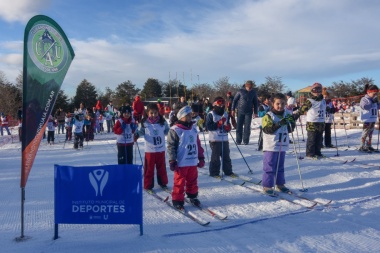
47, 58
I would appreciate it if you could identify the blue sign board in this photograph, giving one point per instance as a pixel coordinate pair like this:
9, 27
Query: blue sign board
109, 194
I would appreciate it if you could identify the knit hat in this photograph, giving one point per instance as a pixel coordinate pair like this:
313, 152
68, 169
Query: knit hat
289, 94
159, 100
183, 112
218, 101
316, 88
125, 109
229, 93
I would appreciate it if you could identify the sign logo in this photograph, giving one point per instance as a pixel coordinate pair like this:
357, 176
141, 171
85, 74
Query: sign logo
47, 48
98, 179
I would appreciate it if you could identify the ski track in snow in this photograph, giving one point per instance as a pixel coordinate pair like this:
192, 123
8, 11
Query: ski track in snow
256, 223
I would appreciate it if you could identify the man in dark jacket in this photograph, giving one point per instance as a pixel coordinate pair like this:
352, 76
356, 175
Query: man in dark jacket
245, 102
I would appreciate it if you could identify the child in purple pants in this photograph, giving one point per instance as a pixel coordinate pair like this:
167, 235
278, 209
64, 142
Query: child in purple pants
276, 125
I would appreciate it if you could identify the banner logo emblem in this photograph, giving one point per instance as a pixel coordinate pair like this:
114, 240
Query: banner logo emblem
98, 179
47, 48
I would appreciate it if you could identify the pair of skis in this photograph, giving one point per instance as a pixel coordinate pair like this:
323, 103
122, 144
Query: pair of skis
213, 213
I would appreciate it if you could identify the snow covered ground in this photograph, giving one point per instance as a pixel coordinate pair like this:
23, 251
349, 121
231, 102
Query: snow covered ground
256, 223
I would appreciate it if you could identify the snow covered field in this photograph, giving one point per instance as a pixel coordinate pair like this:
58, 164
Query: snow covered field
256, 223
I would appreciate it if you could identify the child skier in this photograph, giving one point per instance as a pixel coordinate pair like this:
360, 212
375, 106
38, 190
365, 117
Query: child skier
78, 130
124, 129
277, 123
263, 109
51, 124
329, 119
185, 154
4, 123
315, 106
195, 118
154, 128
369, 105
218, 126
68, 126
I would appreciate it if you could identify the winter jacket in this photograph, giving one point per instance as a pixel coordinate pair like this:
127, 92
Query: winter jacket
138, 107
313, 126
245, 101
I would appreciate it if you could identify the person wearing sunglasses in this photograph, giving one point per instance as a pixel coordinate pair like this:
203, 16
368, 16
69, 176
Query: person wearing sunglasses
315, 109
246, 104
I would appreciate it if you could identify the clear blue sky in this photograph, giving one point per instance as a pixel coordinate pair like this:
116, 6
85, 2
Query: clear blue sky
114, 41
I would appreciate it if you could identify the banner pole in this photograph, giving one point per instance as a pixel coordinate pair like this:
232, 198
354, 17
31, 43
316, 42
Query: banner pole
22, 211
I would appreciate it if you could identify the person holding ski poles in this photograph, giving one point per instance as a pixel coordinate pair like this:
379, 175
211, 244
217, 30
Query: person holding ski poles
315, 107
369, 105
124, 129
218, 126
154, 128
329, 118
277, 124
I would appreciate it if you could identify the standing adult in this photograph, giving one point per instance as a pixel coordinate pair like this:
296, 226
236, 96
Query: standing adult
230, 100
245, 102
60, 117
138, 109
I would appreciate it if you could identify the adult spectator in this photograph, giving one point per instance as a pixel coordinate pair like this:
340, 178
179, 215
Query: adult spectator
138, 109
181, 103
291, 101
229, 101
245, 102
60, 117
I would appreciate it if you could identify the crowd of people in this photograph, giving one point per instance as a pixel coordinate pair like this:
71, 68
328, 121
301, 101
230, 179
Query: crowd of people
182, 124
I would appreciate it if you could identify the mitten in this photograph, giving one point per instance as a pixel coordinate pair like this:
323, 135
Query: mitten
289, 118
283, 122
201, 162
227, 127
173, 165
221, 122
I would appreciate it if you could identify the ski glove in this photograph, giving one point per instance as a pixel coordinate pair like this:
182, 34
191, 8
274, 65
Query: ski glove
201, 162
289, 118
227, 127
283, 122
173, 165
221, 122
123, 125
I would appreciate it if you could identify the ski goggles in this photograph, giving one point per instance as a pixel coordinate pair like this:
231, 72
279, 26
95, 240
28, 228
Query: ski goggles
219, 102
316, 90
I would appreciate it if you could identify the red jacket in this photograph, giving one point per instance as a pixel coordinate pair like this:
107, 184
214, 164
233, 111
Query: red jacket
138, 107
161, 108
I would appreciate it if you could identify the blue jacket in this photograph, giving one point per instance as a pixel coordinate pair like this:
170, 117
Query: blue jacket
245, 101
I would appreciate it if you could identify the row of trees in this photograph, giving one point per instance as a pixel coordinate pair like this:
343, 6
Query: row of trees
125, 92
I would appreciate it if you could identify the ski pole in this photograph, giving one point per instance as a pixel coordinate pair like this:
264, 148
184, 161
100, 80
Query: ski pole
303, 136
299, 145
135, 154
137, 144
278, 161
344, 126
241, 154
222, 162
378, 132
204, 139
336, 141
298, 165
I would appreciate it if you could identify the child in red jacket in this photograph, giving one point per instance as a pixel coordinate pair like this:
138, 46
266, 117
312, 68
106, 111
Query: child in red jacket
185, 155
124, 129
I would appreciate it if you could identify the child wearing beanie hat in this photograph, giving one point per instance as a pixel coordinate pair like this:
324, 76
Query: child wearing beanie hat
329, 119
315, 109
185, 155
218, 126
370, 106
